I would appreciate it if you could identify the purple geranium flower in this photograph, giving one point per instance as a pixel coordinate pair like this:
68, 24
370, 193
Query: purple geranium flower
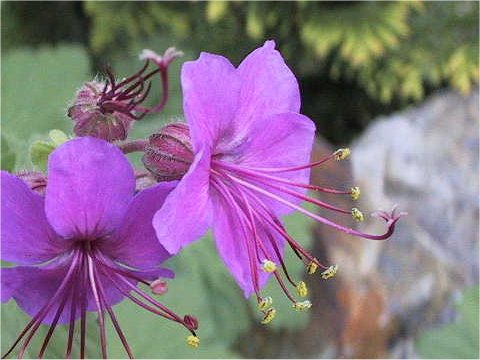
85, 246
251, 150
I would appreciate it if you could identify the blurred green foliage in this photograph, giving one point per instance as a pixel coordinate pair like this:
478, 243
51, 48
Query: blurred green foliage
392, 49
459, 340
354, 60
37, 86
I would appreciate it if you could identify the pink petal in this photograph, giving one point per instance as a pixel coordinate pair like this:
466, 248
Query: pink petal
185, 215
211, 89
27, 237
90, 185
135, 242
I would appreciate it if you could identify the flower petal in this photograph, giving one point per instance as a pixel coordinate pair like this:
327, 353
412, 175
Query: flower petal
33, 287
135, 242
26, 235
211, 89
230, 241
268, 86
185, 215
90, 185
280, 141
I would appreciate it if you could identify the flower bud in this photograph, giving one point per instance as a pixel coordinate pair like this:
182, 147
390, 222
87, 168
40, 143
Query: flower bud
95, 118
169, 154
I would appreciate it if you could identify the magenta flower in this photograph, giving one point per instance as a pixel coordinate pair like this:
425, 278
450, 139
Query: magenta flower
251, 151
85, 246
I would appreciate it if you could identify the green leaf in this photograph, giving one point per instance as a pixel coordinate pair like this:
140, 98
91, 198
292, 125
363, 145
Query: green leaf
39, 152
8, 156
58, 137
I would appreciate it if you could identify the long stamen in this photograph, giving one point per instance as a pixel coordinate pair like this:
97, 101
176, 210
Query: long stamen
101, 319
52, 327
43, 312
113, 318
83, 307
126, 293
261, 174
288, 169
390, 222
71, 327
253, 268
251, 211
268, 216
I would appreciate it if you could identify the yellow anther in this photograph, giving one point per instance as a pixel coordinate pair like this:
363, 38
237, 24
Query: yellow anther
265, 303
302, 289
193, 341
312, 267
342, 154
355, 192
357, 214
330, 272
302, 305
268, 266
269, 316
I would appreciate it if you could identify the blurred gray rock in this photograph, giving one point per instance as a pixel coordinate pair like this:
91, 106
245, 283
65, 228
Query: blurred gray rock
424, 159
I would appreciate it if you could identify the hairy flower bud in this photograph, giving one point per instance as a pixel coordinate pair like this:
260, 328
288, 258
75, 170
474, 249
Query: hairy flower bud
169, 154
92, 119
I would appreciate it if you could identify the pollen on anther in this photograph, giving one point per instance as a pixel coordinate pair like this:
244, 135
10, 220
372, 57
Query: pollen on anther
269, 316
357, 214
302, 289
265, 303
312, 268
302, 305
330, 272
355, 192
193, 341
342, 154
268, 266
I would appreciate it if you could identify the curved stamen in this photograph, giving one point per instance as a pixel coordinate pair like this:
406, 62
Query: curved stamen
390, 220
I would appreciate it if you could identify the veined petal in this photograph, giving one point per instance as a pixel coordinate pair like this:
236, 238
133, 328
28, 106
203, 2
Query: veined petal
279, 141
231, 245
90, 185
211, 89
185, 215
135, 242
33, 287
268, 86
26, 236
